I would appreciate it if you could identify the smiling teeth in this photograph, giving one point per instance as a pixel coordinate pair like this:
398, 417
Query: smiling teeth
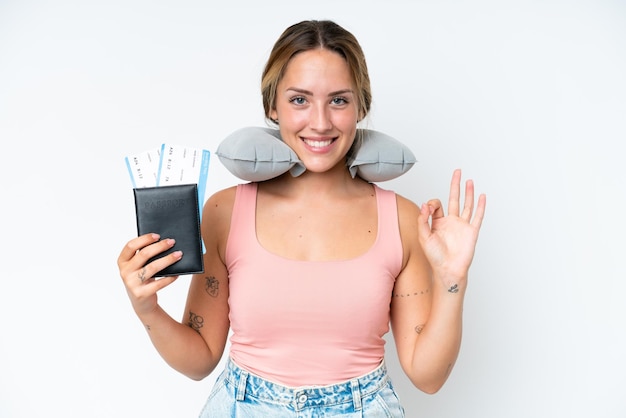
318, 144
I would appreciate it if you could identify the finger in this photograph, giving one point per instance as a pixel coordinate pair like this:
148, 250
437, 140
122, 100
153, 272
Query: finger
149, 270
423, 225
468, 205
480, 211
436, 208
141, 275
134, 245
156, 285
455, 193
136, 270
146, 253
150, 284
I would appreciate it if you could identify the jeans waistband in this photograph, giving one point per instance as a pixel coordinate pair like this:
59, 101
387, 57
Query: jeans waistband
353, 390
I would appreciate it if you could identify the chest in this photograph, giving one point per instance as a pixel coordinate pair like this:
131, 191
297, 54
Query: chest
317, 231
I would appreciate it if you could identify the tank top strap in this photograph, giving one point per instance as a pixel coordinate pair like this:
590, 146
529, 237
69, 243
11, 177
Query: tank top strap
389, 240
388, 208
242, 234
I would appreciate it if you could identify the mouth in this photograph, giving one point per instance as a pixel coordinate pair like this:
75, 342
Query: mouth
318, 143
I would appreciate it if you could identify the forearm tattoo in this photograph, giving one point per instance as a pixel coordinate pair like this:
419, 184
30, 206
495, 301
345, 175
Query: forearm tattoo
419, 328
195, 322
212, 286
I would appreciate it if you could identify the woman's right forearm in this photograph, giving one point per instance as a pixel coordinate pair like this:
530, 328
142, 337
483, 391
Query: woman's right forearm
182, 347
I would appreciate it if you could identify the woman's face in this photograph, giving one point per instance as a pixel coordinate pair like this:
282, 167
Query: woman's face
316, 108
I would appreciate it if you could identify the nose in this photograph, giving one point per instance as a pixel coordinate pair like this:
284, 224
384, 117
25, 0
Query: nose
320, 119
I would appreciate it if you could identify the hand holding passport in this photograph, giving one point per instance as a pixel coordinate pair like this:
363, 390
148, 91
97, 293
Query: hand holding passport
168, 187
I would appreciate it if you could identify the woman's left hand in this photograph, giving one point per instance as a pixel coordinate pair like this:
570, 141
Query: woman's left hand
449, 241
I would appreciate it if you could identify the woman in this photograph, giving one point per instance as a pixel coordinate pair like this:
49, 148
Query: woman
309, 271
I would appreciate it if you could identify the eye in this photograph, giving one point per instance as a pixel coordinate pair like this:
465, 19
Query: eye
298, 100
338, 101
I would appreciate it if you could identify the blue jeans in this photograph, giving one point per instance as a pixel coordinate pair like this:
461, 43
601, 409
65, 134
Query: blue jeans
240, 394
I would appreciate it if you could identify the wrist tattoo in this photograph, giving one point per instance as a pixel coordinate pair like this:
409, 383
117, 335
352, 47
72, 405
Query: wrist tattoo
419, 328
454, 289
195, 322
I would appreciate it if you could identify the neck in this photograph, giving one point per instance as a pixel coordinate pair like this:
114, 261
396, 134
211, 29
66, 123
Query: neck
333, 183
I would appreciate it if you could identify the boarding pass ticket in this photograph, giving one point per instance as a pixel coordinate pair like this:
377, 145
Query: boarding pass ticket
169, 165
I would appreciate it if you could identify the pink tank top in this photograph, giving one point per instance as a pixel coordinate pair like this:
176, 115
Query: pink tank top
302, 323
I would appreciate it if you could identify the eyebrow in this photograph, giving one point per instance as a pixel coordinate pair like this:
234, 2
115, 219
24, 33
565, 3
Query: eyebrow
310, 93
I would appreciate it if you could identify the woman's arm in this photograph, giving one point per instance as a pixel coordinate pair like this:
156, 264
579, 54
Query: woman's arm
195, 345
427, 305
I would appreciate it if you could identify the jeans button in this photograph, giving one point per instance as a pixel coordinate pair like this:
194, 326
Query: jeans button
302, 398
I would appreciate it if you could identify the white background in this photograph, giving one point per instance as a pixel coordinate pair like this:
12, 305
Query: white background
527, 97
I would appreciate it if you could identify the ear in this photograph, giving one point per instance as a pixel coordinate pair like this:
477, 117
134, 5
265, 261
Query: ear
257, 154
274, 114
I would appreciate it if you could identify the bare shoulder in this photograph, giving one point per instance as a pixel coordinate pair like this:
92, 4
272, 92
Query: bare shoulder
408, 212
220, 203
216, 217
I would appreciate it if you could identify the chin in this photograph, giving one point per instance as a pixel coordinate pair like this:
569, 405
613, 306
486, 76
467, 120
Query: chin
323, 167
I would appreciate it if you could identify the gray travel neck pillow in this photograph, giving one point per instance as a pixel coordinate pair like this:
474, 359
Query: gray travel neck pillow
258, 154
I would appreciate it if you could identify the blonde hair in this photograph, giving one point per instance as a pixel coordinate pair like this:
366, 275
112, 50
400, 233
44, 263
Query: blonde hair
313, 34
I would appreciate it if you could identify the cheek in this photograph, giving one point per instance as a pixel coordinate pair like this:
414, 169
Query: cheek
345, 120
293, 118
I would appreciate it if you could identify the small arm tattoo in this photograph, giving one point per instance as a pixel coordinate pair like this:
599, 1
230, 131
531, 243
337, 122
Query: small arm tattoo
212, 286
147, 327
409, 294
195, 321
454, 288
419, 328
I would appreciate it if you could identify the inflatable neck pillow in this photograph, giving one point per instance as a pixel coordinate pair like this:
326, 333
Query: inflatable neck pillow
257, 154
